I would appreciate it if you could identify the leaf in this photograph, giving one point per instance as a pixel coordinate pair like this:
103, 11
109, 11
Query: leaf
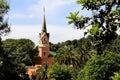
81, 1
73, 17
70, 22
94, 30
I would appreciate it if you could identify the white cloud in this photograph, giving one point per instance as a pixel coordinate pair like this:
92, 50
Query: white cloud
21, 16
52, 6
36, 8
57, 33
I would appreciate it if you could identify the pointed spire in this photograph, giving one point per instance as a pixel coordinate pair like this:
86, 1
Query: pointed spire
44, 29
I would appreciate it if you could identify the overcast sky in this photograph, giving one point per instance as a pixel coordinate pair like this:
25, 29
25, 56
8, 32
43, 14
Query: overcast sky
25, 18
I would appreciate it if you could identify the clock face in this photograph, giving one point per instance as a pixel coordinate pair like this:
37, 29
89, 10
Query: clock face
44, 40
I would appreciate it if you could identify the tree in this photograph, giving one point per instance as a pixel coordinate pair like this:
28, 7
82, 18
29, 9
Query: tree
17, 55
21, 49
66, 56
100, 67
85, 50
59, 72
41, 73
114, 46
4, 27
105, 20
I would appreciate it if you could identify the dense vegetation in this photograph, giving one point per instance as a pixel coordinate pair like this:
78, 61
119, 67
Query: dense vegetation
82, 51
22, 50
85, 44
101, 67
4, 28
18, 53
99, 57
70, 58
104, 22
96, 57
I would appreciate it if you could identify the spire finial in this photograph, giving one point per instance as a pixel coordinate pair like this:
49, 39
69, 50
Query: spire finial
44, 10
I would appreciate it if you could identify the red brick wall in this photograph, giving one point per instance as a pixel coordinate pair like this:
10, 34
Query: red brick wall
42, 50
49, 60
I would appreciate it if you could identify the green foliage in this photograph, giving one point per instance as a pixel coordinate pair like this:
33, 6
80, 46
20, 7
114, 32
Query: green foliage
114, 46
7, 67
94, 30
78, 50
116, 76
41, 73
91, 4
73, 17
22, 50
59, 72
4, 7
74, 53
16, 55
105, 21
54, 47
84, 50
67, 57
100, 67
83, 43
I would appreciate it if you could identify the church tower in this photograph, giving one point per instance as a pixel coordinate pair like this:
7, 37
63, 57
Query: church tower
44, 55
43, 46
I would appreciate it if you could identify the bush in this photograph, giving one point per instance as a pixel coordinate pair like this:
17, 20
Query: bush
59, 72
100, 67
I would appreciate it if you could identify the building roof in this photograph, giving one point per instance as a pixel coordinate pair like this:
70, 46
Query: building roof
44, 29
52, 54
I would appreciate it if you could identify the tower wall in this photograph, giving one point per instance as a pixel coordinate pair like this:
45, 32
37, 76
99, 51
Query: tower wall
44, 51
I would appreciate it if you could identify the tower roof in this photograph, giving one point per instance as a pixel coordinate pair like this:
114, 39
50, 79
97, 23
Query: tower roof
44, 29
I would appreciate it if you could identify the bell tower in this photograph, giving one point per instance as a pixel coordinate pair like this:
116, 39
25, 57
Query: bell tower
43, 46
44, 50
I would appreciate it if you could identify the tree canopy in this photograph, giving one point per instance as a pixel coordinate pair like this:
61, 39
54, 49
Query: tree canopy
101, 67
22, 50
4, 28
58, 72
105, 20
18, 53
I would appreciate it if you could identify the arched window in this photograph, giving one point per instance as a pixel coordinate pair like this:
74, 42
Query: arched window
44, 53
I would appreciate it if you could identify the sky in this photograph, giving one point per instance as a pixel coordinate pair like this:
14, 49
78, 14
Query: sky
25, 19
